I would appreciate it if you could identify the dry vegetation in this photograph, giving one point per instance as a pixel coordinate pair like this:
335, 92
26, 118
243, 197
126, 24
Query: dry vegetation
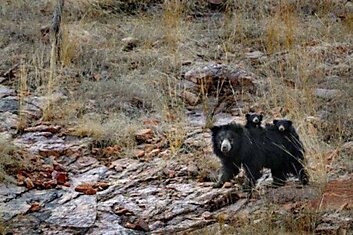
9, 160
110, 89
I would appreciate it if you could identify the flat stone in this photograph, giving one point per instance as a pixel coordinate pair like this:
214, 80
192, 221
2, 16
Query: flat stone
326, 228
212, 74
10, 191
8, 121
326, 93
144, 135
79, 212
91, 176
337, 194
12, 208
287, 194
43, 128
10, 104
5, 91
109, 223
254, 55
42, 101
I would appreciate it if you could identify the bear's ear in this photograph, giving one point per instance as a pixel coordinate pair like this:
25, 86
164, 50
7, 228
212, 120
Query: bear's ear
260, 117
247, 116
275, 121
289, 123
215, 129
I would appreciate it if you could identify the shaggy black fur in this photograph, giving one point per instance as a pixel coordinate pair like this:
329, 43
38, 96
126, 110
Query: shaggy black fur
253, 120
244, 150
256, 148
284, 147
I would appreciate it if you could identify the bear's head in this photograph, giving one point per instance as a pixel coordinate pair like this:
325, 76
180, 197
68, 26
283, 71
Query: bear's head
226, 138
283, 125
253, 119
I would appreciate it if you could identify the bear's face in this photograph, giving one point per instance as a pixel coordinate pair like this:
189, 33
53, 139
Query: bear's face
283, 125
254, 118
225, 137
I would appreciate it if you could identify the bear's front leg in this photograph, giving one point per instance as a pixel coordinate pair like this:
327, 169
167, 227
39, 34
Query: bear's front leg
226, 174
252, 174
279, 178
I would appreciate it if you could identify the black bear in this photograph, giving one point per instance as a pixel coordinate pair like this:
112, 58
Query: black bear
253, 120
235, 147
283, 147
254, 149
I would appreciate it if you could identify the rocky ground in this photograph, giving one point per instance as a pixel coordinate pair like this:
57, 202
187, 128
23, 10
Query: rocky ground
71, 192
210, 69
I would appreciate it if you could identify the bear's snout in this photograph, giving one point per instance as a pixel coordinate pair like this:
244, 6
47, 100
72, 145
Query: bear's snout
281, 128
225, 147
255, 120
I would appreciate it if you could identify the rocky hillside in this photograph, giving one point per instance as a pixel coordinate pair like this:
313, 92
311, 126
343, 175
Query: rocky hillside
118, 140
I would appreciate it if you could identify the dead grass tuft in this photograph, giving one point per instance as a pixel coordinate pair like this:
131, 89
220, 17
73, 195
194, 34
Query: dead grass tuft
115, 130
10, 162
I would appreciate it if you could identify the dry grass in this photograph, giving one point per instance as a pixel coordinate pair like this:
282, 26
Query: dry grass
10, 162
110, 90
117, 129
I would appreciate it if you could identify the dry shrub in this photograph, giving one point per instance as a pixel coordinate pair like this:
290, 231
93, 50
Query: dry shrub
116, 130
10, 161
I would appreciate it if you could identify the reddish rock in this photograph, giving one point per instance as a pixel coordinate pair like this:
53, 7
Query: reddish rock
60, 177
337, 194
144, 135
35, 206
86, 188
28, 183
112, 150
139, 224
57, 166
100, 186
142, 225
153, 153
50, 152
49, 184
20, 179
139, 153
43, 128
48, 168
122, 211
37, 182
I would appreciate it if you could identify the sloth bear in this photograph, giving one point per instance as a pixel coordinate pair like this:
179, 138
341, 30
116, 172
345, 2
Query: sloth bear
254, 149
253, 120
235, 147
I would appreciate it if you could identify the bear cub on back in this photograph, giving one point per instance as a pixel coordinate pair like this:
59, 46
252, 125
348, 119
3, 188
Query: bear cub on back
253, 120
